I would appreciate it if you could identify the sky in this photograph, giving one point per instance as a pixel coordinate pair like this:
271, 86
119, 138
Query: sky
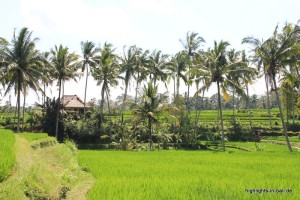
149, 24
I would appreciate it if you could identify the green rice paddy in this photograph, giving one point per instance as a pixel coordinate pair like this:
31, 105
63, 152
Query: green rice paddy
194, 174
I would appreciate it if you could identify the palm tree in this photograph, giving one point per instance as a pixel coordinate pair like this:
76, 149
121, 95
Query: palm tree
217, 69
247, 79
141, 63
89, 52
106, 73
178, 67
191, 45
65, 66
158, 67
47, 71
275, 53
152, 105
128, 66
21, 62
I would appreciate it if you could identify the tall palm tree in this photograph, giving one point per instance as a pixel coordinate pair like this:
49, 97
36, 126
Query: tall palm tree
275, 54
65, 66
128, 66
21, 62
178, 67
191, 45
89, 52
217, 69
158, 67
47, 71
106, 73
246, 80
141, 63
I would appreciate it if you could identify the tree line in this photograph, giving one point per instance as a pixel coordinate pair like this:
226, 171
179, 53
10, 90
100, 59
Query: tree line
23, 67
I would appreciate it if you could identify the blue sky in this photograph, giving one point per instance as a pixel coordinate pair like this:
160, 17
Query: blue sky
150, 24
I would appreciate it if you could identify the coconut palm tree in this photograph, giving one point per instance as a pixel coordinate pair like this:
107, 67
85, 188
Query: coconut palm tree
89, 52
141, 64
21, 62
217, 69
106, 73
128, 66
246, 80
191, 45
65, 65
275, 54
158, 67
152, 105
178, 67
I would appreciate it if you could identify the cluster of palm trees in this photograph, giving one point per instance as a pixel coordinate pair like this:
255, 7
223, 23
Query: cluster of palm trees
23, 67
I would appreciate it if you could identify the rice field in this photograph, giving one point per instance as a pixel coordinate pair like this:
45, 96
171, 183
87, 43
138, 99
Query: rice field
271, 174
7, 156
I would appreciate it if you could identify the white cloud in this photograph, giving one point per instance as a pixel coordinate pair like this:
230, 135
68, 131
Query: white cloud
76, 19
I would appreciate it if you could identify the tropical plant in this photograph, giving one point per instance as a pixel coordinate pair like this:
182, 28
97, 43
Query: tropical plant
218, 69
274, 55
106, 73
152, 105
65, 66
158, 67
128, 61
89, 52
191, 45
21, 62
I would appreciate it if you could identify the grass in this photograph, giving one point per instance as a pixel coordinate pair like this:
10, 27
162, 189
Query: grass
193, 174
7, 156
33, 136
48, 172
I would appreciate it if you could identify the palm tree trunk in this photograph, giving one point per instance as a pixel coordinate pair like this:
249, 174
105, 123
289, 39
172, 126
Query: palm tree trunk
174, 81
85, 89
108, 107
196, 117
15, 113
268, 101
202, 102
137, 86
125, 93
177, 95
24, 101
233, 108
221, 116
19, 103
281, 116
248, 105
150, 132
58, 110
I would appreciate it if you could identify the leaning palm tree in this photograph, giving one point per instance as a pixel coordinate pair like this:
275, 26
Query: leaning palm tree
246, 80
89, 52
218, 70
65, 66
275, 54
21, 62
